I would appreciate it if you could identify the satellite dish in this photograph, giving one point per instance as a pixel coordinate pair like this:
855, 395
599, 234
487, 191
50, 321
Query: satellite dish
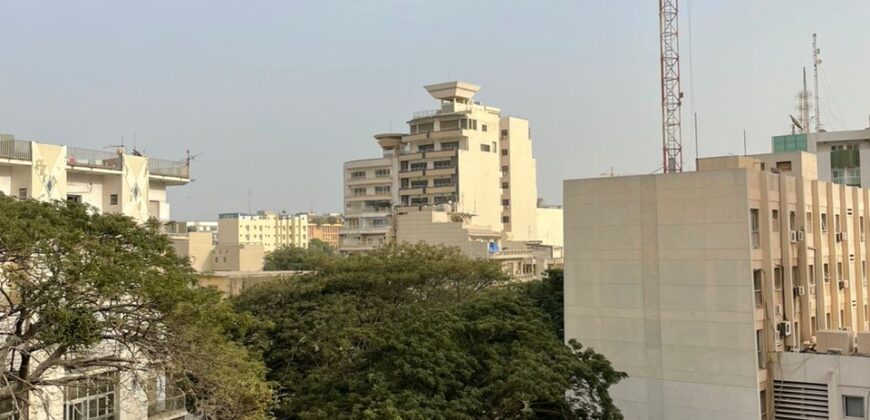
796, 122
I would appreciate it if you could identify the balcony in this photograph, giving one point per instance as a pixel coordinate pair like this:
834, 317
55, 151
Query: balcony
15, 149
173, 168
95, 159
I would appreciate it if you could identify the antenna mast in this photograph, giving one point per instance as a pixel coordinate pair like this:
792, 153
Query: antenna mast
816, 62
804, 105
672, 96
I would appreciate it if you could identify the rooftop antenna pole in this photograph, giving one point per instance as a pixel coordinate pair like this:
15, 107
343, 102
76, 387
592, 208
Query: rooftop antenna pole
816, 61
672, 96
805, 106
697, 153
744, 142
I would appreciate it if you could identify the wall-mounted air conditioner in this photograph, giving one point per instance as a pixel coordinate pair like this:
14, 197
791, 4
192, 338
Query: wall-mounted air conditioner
800, 291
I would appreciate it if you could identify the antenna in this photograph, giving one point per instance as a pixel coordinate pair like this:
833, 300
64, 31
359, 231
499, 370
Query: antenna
696, 140
744, 142
672, 96
805, 106
816, 62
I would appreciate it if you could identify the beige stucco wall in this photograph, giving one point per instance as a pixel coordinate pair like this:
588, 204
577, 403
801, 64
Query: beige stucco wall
658, 279
238, 257
522, 191
479, 173
550, 226
436, 228
134, 187
48, 181
198, 248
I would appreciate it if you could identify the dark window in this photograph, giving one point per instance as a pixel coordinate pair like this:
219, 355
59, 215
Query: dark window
484, 148
504, 133
426, 147
505, 202
504, 185
113, 199
453, 145
853, 406
22, 193
483, 127
504, 152
74, 198
505, 219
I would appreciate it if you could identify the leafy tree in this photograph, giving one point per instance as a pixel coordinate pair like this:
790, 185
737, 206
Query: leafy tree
294, 258
420, 332
81, 291
549, 294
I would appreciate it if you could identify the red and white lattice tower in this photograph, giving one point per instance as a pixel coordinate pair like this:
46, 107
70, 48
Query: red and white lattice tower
672, 96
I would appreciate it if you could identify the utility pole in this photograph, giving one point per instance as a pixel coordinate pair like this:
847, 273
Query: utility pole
804, 105
816, 61
672, 96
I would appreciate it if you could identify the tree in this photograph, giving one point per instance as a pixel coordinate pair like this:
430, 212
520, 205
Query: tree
294, 258
549, 294
419, 332
80, 291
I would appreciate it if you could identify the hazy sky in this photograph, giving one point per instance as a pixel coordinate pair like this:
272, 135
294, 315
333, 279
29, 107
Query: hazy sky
277, 94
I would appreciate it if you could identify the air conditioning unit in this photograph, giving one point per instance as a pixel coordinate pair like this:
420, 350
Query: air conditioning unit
851, 257
784, 329
800, 291
844, 236
848, 212
838, 237
800, 236
843, 284
793, 236
813, 290
777, 309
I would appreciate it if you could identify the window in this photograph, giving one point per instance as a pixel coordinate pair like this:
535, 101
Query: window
504, 185
483, 127
826, 273
92, 398
783, 166
22, 193
762, 395
505, 202
811, 275
74, 198
442, 164
484, 148
453, 145
357, 191
425, 147
777, 278
357, 174
756, 286
759, 345
382, 189
853, 406
828, 323
861, 227
382, 173
809, 224
504, 133
419, 183
791, 220
418, 166
839, 271
442, 182
774, 220
442, 200
813, 325
795, 276
113, 199
753, 223
225, 259
504, 169
504, 152
837, 223
505, 219
824, 223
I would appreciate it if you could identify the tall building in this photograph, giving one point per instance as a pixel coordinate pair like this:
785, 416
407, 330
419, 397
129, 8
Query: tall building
717, 291
462, 154
841, 154
112, 182
269, 229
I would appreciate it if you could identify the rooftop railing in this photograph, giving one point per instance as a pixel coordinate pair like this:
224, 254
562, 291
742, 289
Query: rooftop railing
176, 168
93, 158
15, 149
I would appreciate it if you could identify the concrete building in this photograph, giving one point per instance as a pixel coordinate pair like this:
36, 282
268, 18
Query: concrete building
463, 154
232, 283
269, 229
695, 283
841, 154
112, 182
326, 232
239, 257
551, 226
198, 247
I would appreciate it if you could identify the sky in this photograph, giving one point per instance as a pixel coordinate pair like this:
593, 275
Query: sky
274, 95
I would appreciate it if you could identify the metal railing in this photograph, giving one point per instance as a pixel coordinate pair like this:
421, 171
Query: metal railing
172, 403
175, 168
15, 149
93, 158
425, 113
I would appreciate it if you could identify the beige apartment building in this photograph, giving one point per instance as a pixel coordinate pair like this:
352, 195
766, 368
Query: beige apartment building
462, 154
111, 182
326, 232
269, 229
715, 290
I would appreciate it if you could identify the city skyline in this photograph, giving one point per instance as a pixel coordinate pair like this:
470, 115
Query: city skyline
276, 96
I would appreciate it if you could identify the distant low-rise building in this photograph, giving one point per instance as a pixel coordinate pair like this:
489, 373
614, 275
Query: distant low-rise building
269, 229
198, 247
326, 232
843, 156
239, 257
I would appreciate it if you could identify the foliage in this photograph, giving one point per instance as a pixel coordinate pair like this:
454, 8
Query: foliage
84, 291
293, 258
419, 332
549, 295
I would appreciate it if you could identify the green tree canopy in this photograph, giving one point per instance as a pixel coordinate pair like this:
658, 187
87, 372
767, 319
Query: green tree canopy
420, 332
83, 291
292, 258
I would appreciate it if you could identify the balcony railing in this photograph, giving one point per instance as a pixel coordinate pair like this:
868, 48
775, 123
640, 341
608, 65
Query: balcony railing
175, 168
15, 149
169, 404
425, 113
93, 158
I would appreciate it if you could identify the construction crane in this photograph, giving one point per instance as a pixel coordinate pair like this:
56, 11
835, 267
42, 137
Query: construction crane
672, 96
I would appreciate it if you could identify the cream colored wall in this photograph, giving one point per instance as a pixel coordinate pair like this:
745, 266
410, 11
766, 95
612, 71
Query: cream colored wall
658, 279
550, 226
435, 228
88, 186
6, 180
247, 257
479, 175
841, 375
198, 248
522, 180
48, 181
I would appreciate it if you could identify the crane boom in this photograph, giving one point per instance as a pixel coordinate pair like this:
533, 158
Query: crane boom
672, 96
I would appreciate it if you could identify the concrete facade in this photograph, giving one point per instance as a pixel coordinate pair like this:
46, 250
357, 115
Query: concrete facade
551, 226
463, 154
269, 229
238, 257
198, 247
693, 282
325, 232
